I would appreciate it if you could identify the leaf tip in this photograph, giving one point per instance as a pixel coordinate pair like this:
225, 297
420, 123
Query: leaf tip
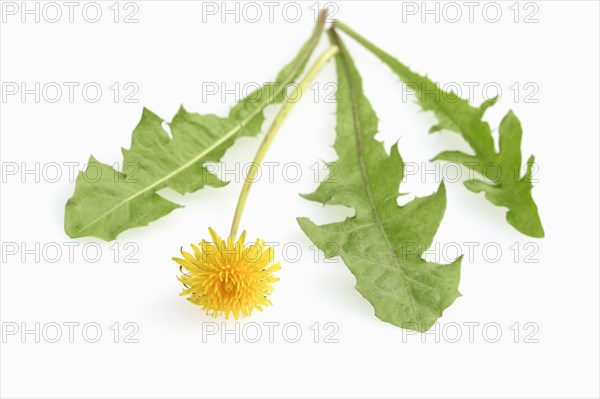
434, 129
488, 103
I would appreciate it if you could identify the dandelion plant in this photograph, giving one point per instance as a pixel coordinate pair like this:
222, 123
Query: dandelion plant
382, 244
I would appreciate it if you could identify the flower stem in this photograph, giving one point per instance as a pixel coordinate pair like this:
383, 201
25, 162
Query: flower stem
272, 132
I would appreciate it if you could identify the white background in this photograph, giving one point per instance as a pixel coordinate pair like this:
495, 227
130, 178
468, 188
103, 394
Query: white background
169, 53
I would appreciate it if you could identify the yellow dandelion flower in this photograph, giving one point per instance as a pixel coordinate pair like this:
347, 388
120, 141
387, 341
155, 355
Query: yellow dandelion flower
227, 277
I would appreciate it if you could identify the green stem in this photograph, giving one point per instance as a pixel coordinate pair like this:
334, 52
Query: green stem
272, 132
385, 57
424, 88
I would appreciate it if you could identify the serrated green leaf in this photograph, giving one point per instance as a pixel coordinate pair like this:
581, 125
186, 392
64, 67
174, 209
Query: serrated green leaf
383, 243
107, 202
506, 186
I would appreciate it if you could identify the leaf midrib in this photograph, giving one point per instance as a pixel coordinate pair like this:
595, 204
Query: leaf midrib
231, 133
173, 173
397, 66
365, 176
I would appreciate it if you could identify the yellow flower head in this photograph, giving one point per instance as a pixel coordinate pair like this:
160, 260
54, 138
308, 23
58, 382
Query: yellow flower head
227, 277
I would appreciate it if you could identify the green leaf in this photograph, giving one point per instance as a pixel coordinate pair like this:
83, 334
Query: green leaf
107, 202
383, 243
505, 187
